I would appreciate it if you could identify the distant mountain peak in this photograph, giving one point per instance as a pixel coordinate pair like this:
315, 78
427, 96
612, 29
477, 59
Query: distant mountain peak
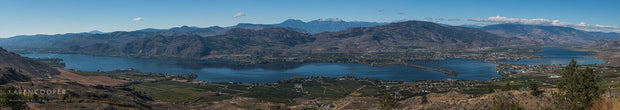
215, 27
292, 21
183, 28
95, 32
245, 24
330, 20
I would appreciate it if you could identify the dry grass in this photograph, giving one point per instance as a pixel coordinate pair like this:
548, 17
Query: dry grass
90, 80
607, 104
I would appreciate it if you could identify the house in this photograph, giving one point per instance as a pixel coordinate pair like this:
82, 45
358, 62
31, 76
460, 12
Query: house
299, 86
555, 76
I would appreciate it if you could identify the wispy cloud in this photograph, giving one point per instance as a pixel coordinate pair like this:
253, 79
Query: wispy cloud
546, 22
238, 15
431, 19
606, 26
138, 19
439, 19
428, 19
401, 13
454, 19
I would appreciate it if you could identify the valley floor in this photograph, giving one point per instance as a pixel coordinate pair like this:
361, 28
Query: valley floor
151, 90
127, 89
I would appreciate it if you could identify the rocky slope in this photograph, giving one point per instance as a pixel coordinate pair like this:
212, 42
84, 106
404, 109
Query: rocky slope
20, 72
267, 41
185, 46
410, 34
24, 65
120, 38
611, 44
543, 35
8, 74
457, 101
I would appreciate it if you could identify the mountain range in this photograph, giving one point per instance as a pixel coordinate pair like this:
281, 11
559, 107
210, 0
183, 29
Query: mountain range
409, 34
294, 37
61, 41
283, 41
547, 35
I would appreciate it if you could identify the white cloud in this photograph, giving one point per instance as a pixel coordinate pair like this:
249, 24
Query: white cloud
606, 26
537, 21
542, 21
454, 19
138, 19
238, 15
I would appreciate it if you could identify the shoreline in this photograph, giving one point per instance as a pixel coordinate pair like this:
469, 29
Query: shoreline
611, 58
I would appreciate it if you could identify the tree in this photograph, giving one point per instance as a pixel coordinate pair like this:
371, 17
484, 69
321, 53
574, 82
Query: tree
534, 88
490, 89
386, 102
191, 77
424, 99
578, 88
507, 87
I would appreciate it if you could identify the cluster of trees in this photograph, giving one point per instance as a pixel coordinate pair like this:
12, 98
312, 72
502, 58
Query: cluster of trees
579, 88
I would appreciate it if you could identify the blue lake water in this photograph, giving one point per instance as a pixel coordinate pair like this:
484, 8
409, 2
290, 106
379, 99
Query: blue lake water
558, 56
230, 71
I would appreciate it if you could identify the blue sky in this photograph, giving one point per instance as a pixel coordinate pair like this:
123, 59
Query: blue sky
27, 17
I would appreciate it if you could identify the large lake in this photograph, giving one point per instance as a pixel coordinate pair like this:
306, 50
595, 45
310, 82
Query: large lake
229, 71
559, 56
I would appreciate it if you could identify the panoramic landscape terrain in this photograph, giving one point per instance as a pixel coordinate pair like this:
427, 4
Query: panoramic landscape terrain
309, 55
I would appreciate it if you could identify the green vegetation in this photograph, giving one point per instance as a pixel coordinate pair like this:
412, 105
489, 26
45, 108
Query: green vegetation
8, 98
508, 87
168, 91
273, 95
578, 88
136, 75
386, 102
53, 62
534, 89
424, 99
179, 90
489, 89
